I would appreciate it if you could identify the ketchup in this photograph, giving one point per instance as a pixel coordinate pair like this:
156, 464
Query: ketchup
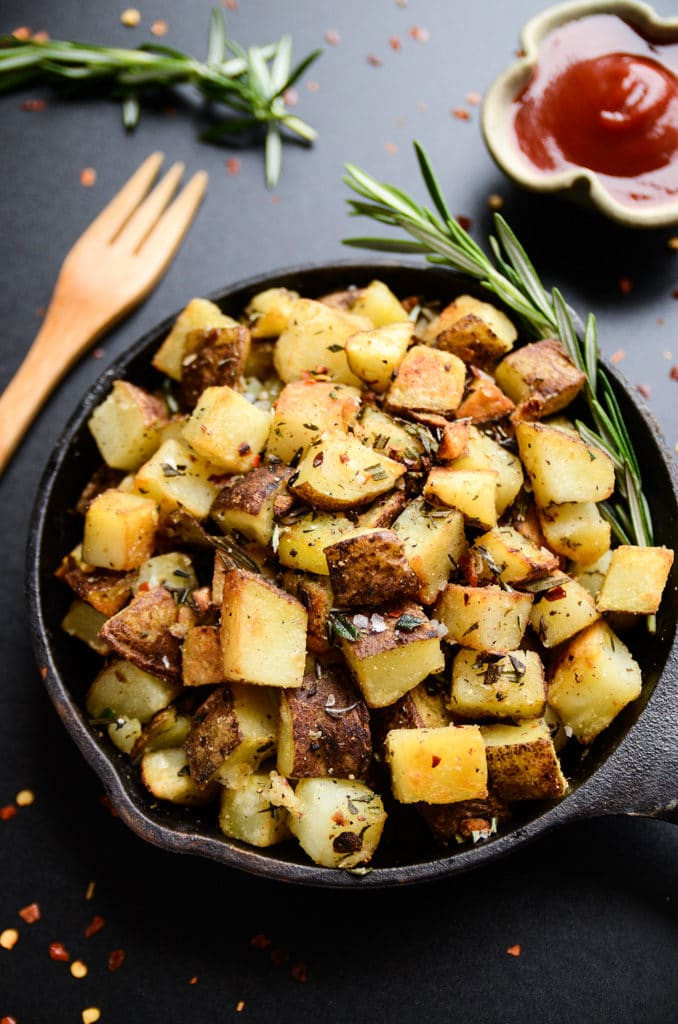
605, 98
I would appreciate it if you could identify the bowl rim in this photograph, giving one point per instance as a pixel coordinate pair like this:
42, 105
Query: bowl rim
591, 795
582, 183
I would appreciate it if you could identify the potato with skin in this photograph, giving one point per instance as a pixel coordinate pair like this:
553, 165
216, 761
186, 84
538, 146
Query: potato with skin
522, 762
492, 685
390, 436
122, 688
148, 632
369, 567
199, 315
437, 766
315, 593
540, 378
202, 660
635, 580
314, 341
484, 453
484, 618
383, 513
106, 591
420, 708
247, 814
246, 503
483, 400
562, 467
473, 492
168, 728
308, 410
324, 728
166, 774
434, 543
561, 610
506, 556
428, 381
341, 473
338, 822
227, 430
126, 426
217, 357
476, 331
375, 355
119, 530
302, 543
269, 311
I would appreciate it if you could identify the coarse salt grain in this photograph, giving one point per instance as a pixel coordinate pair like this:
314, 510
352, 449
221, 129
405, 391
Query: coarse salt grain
90, 1015
25, 797
78, 969
130, 17
374, 60
9, 938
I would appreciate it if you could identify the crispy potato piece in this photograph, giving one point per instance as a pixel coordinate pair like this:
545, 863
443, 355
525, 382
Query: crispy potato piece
561, 610
428, 381
216, 357
168, 728
166, 774
84, 622
483, 400
126, 425
511, 558
475, 331
314, 342
315, 593
148, 632
122, 688
576, 530
635, 580
107, 592
473, 492
307, 410
562, 467
420, 708
302, 543
522, 762
383, 512
454, 441
199, 314
341, 473
324, 729
173, 570
375, 355
437, 766
175, 477
484, 618
231, 733
247, 814
246, 503
396, 438
540, 378
119, 530
591, 576
369, 567
269, 311
434, 542
227, 430
202, 661
465, 819
507, 685
339, 822
378, 303
482, 452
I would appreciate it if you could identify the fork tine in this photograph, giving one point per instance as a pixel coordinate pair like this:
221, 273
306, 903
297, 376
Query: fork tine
165, 238
147, 214
115, 213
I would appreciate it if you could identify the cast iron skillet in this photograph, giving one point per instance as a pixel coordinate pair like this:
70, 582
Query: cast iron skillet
631, 769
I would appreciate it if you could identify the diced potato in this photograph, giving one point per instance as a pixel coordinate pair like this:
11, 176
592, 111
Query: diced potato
483, 400
594, 677
375, 355
124, 733
476, 331
561, 610
507, 556
428, 380
434, 541
202, 662
217, 359
591, 576
246, 503
420, 708
301, 544
148, 632
315, 593
247, 814
576, 530
382, 514
307, 410
635, 580
379, 304
339, 822
104, 590
126, 426
396, 438
497, 686
198, 314
173, 571
177, 478
387, 662
482, 452
455, 441
540, 378
314, 341
472, 491
562, 467
340, 473
84, 622
437, 766
122, 689
369, 567
263, 632
166, 774
227, 430
484, 618
522, 762
168, 728
119, 530
269, 312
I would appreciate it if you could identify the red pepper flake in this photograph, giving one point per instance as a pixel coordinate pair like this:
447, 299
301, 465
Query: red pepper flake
260, 941
395, 43
7, 812
312, 85
673, 373
375, 61
159, 27
300, 972
672, 242
143, 587
514, 950
232, 5
43, 672
391, 148
275, 200
30, 913
421, 105
193, 980
625, 285
256, 461
332, 37
233, 166
105, 802
8, 1020
420, 35
279, 956
116, 959
88, 177
57, 951
33, 105
461, 114
435, 761
318, 459
555, 594
644, 390
40, 37
290, 97
473, 98
95, 925
23, 32
465, 222
520, 52
674, 293
617, 356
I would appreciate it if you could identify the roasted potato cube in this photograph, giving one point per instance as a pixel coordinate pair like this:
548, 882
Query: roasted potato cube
511, 558
302, 543
315, 593
269, 312
247, 814
635, 580
148, 632
232, 733
122, 688
341, 473
434, 542
375, 355
398, 439
378, 303
83, 622
324, 729
307, 410
263, 632
594, 677
202, 661
473, 492
166, 774
475, 331
391, 654
126, 425
174, 571
314, 341
576, 530
246, 503
591, 576
522, 762
339, 822
483, 400
561, 610
562, 467
175, 477
428, 380
124, 733
540, 378
119, 530
105, 591
382, 514
168, 728
491, 685
437, 766
484, 618
466, 819
369, 567
420, 708
199, 314
216, 358
482, 452
227, 430
454, 441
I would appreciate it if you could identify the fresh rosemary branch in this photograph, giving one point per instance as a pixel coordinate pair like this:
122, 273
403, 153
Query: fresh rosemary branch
251, 83
513, 279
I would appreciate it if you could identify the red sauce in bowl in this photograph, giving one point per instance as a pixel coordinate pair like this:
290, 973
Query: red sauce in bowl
605, 98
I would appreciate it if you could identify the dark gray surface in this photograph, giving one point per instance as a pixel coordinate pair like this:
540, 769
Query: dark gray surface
593, 906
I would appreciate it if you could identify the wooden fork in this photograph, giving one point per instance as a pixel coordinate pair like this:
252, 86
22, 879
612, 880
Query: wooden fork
113, 265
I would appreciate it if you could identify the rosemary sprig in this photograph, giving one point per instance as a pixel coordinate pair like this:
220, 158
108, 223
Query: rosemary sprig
512, 278
251, 83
